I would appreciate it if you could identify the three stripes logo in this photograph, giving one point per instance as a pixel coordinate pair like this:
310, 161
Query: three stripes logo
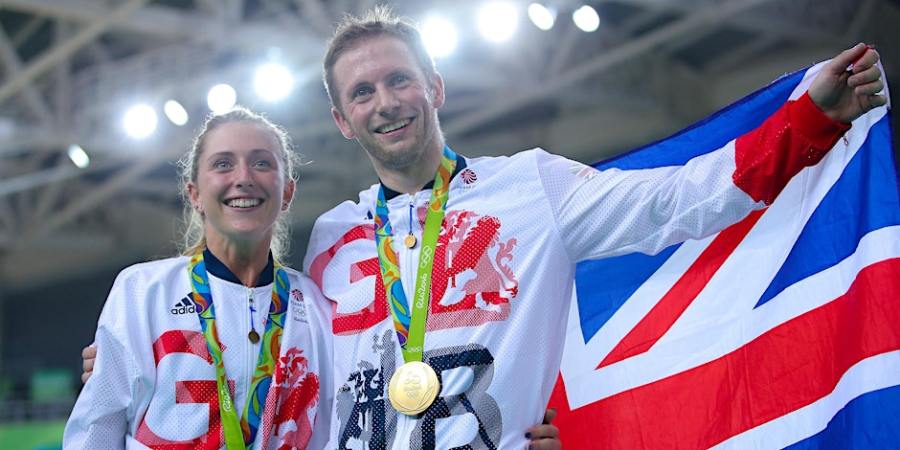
185, 306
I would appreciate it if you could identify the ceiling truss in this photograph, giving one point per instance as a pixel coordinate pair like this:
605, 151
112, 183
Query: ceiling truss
70, 67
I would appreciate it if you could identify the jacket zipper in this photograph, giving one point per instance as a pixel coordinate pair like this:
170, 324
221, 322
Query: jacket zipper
409, 277
248, 370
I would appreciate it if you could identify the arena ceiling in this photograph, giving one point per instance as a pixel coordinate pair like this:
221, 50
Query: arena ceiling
70, 68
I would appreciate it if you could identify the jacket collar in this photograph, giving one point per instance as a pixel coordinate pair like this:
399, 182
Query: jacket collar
460, 165
218, 269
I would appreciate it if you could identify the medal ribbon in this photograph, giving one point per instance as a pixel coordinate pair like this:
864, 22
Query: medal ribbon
240, 434
410, 325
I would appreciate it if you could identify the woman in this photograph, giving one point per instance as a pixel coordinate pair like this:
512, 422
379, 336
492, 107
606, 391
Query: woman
219, 339
190, 357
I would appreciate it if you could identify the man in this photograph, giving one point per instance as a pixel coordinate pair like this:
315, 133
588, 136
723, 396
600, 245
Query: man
489, 295
514, 227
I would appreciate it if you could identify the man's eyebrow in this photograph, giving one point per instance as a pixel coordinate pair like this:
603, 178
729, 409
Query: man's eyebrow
404, 72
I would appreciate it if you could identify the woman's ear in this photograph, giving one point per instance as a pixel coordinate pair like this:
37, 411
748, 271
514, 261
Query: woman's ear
194, 196
288, 195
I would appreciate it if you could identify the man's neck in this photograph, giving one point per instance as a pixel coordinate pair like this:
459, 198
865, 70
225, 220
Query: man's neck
410, 180
245, 260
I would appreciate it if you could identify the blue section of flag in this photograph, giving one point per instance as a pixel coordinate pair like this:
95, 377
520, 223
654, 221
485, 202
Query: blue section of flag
841, 213
711, 133
606, 284
871, 420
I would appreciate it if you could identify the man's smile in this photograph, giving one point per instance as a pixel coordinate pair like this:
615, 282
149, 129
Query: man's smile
393, 126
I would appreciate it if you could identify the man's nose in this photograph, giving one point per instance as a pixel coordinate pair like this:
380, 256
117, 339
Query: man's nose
388, 103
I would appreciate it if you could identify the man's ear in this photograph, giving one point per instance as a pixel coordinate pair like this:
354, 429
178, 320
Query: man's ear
437, 90
342, 123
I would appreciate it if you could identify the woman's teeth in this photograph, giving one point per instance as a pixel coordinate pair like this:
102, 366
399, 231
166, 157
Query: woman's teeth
243, 202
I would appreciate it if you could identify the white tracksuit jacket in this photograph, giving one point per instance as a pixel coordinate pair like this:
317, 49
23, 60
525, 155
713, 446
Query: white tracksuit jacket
154, 385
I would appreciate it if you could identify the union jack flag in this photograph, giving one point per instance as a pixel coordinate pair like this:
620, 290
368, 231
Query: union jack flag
780, 331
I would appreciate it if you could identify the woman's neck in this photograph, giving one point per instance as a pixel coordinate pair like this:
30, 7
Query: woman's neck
245, 261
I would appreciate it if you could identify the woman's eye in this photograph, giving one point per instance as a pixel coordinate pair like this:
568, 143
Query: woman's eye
222, 164
264, 163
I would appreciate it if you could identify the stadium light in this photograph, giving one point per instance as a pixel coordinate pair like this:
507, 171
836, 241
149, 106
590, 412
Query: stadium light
586, 18
541, 16
221, 98
175, 112
440, 37
78, 156
273, 82
497, 21
140, 121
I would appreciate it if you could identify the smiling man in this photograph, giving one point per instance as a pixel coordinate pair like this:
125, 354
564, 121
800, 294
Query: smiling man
451, 277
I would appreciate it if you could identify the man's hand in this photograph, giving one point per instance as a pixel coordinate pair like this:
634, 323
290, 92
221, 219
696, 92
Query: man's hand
88, 356
848, 86
546, 435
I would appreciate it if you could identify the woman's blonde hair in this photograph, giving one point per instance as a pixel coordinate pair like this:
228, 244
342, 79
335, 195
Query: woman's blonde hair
193, 241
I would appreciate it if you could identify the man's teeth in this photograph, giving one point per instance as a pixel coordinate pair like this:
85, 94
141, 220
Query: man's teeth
394, 126
243, 202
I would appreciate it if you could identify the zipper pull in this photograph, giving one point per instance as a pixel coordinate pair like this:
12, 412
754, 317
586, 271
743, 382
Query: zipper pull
410, 240
253, 335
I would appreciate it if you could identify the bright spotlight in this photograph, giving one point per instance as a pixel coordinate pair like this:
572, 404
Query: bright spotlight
78, 156
140, 121
221, 98
541, 16
175, 112
586, 18
273, 82
439, 36
497, 21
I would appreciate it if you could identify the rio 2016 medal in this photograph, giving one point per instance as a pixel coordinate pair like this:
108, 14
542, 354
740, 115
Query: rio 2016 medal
409, 241
413, 388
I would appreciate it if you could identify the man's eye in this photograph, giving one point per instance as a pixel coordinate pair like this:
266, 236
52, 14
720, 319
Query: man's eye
399, 79
362, 92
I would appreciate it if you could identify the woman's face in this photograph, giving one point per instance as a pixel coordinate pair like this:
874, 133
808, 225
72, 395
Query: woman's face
241, 185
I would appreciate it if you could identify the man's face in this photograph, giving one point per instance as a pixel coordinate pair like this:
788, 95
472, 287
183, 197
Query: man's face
387, 103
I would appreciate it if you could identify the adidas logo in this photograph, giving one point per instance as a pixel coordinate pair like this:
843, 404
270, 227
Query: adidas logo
185, 306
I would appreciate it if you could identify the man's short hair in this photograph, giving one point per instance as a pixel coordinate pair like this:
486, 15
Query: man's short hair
379, 21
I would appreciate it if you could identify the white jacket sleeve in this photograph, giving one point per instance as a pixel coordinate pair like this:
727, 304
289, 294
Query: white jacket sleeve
100, 418
602, 213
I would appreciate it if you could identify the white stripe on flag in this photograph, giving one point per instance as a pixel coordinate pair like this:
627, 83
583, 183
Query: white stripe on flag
873, 373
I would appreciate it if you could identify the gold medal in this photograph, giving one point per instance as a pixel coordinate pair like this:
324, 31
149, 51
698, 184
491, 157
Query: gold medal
253, 336
413, 388
409, 241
